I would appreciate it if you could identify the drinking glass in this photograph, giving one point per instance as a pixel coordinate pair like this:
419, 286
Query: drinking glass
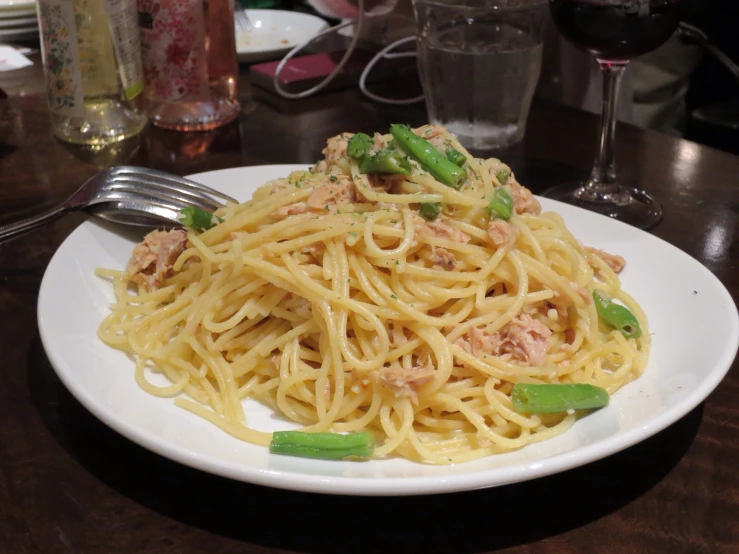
479, 62
614, 31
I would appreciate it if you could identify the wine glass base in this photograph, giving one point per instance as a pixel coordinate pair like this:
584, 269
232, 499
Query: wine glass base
630, 205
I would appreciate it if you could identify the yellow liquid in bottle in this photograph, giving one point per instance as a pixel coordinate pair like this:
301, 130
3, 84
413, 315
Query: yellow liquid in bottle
105, 109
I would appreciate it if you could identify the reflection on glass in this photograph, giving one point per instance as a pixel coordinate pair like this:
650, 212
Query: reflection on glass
613, 31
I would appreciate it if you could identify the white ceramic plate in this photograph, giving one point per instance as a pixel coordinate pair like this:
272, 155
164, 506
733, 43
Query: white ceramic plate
692, 317
275, 33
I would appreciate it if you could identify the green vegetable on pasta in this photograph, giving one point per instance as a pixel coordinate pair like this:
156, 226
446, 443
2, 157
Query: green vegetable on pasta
556, 398
428, 157
617, 316
503, 175
359, 145
456, 157
197, 219
327, 446
429, 210
501, 205
386, 161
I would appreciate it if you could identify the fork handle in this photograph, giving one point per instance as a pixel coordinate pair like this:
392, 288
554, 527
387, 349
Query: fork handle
13, 230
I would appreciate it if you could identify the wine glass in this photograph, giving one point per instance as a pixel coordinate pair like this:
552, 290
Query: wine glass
614, 31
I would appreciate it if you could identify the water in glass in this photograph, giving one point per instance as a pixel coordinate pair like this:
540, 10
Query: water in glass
479, 64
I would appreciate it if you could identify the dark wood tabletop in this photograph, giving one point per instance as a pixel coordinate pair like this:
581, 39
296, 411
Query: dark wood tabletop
69, 484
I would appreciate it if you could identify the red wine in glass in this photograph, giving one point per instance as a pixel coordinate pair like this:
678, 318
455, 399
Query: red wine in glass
616, 31
613, 31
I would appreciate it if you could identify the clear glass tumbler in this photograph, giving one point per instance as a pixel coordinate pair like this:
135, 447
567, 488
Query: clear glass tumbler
479, 62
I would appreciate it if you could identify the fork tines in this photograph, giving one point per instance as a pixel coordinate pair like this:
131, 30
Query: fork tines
166, 186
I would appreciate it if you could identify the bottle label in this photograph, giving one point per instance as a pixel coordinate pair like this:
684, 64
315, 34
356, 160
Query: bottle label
61, 58
173, 50
97, 59
122, 17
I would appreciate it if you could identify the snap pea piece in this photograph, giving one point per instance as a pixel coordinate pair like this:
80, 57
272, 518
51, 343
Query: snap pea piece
359, 145
549, 399
386, 161
501, 206
617, 316
503, 175
428, 157
327, 446
429, 210
456, 157
197, 219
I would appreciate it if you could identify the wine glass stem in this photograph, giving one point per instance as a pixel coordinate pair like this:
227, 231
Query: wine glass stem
603, 177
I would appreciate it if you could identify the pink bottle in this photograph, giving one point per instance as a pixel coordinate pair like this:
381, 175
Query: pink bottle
190, 68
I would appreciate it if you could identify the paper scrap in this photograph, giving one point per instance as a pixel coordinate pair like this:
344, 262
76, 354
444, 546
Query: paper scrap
11, 59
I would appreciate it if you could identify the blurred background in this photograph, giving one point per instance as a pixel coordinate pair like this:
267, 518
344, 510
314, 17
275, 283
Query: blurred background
682, 88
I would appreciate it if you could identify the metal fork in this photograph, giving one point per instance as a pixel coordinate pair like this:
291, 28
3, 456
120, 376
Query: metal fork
131, 195
243, 23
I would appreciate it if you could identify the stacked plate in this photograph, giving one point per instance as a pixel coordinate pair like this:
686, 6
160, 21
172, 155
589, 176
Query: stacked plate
18, 21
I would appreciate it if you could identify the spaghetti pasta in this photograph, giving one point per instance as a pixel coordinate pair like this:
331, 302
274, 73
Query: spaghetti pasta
330, 299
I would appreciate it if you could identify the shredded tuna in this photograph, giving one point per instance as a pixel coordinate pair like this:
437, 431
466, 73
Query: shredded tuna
405, 381
152, 260
502, 232
335, 150
291, 209
331, 193
523, 201
444, 230
464, 344
616, 263
443, 259
524, 339
379, 143
440, 228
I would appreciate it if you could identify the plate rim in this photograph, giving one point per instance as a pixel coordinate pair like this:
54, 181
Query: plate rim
394, 486
261, 53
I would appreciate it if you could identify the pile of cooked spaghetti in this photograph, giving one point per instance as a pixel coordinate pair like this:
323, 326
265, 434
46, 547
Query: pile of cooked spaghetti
383, 302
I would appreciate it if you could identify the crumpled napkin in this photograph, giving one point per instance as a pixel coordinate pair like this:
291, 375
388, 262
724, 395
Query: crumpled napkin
11, 59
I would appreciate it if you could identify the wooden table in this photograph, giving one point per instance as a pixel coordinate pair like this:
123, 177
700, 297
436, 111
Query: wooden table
70, 484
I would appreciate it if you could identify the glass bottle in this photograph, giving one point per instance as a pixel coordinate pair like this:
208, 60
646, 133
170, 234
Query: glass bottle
190, 66
94, 77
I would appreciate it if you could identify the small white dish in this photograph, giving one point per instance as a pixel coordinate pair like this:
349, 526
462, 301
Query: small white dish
692, 318
275, 32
